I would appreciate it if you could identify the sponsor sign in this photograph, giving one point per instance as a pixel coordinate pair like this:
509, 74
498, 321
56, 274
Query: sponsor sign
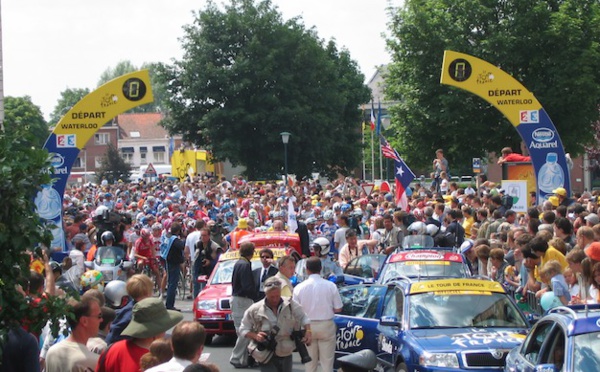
523, 111
472, 285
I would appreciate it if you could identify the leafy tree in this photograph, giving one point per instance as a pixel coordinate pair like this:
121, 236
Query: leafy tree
20, 112
21, 177
113, 167
122, 68
551, 46
248, 75
68, 98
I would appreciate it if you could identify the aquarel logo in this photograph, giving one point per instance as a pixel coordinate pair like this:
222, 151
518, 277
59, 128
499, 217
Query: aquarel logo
57, 160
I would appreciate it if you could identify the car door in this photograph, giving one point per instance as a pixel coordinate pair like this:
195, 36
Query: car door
391, 326
553, 349
532, 350
358, 320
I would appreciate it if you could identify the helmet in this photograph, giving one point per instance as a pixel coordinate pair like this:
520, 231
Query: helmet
56, 267
145, 233
310, 220
229, 214
253, 214
157, 226
328, 215
417, 228
466, 245
108, 195
322, 244
345, 207
357, 212
92, 279
100, 210
432, 229
116, 294
107, 235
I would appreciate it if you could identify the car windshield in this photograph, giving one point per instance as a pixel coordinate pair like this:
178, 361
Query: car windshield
224, 271
109, 256
586, 354
423, 269
464, 309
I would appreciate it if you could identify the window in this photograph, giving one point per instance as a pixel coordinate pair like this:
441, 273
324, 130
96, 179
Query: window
78, 163
361, 301
102, 138
531, 350
143, 159
128, 157
394, 304
159, 157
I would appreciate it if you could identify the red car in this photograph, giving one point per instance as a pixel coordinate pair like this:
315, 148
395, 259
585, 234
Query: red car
212, 306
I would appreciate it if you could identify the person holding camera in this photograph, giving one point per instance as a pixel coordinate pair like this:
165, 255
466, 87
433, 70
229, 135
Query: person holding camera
320, 299
205, 257
273, 326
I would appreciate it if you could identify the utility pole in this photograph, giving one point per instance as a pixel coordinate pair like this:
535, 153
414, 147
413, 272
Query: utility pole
1, 78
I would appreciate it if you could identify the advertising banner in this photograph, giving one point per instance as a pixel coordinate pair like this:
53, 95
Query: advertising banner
518, 191
75, 129
523, 111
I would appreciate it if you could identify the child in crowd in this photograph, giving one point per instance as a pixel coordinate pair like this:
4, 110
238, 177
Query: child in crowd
572, 282
551, 275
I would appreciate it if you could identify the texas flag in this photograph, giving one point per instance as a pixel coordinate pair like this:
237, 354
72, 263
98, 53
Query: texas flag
404, 176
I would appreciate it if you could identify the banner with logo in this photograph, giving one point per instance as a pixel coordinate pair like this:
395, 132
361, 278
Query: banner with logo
75, 129
521, 108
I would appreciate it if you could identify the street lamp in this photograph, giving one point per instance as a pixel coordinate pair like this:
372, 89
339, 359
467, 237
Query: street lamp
285, 137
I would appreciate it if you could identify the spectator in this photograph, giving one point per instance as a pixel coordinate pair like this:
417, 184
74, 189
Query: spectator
551, 274
264, 272
72, 354
187, 342
287, 266
320, 300
174, 261
159, 352
150, 320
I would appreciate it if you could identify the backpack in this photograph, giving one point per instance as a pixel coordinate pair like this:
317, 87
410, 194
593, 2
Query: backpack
507, 201
165, 246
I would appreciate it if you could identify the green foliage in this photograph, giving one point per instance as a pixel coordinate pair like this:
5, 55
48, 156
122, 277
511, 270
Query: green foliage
23, 169
550, 46
122, 68
68, 98
113, 167
248, 75
22, 114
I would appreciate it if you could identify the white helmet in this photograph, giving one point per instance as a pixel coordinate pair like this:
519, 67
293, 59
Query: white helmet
100, 210
432, 229
116, 294
328, 215
417, 228
322, 244
107, 235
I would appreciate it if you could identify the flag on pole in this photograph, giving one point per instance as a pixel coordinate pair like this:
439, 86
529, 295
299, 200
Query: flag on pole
372, 116
292, 224
387, 150
378, 128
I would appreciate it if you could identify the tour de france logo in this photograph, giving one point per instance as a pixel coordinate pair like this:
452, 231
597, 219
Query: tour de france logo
460, 70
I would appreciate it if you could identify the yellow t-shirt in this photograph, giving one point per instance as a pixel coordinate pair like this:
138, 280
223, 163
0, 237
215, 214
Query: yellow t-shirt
467, 225
554, 254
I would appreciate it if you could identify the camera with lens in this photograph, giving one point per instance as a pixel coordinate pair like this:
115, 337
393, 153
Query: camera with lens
297, 336
269, 343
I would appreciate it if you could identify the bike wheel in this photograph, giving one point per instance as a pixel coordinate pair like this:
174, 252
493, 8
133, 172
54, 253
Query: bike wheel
181, 286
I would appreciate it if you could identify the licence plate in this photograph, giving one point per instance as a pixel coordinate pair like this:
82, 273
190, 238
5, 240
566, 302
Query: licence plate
227, 316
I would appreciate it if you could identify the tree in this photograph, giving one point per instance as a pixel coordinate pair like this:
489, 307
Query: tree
548, 45
24, 169
68, 98
20, 112
248, 75
113, 167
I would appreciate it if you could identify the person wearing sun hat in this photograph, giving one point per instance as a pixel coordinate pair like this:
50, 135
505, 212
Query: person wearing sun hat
150, 321
561, 193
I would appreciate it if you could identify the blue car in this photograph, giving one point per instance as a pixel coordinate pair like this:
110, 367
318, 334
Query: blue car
428, 263
567, 339
433, 325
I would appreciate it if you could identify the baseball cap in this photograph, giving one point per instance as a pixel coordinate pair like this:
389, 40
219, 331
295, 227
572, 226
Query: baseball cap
560, 191
466, 245
593, 251
592, 218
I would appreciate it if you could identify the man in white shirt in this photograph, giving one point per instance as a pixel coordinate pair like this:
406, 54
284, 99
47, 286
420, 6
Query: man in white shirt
320, 300
189, 253
187, 342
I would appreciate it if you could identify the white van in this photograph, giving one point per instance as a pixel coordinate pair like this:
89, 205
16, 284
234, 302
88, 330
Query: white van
160, 169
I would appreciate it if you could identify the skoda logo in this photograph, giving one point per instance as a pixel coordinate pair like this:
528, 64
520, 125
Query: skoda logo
598, 322
498, 354
57, 160
542, 135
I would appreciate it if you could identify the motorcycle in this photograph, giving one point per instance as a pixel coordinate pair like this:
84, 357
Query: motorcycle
361, 361
110, 261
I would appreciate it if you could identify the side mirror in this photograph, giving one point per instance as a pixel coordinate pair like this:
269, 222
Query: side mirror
127, 265
89, 264
390, 321
202, 279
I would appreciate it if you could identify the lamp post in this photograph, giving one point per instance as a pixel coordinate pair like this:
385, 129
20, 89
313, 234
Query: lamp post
285, 137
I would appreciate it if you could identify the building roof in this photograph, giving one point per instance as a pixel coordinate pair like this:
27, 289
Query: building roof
141, 126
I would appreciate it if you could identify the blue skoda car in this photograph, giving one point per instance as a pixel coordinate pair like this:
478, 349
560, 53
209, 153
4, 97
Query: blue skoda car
434, 325
566, 340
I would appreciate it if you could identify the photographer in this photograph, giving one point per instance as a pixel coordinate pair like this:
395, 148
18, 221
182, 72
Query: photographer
206, 254
270, 323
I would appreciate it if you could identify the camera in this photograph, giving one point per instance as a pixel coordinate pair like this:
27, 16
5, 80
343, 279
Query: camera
297, 336
269, 343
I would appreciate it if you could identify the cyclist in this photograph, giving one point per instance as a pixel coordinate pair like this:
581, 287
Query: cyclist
143, 252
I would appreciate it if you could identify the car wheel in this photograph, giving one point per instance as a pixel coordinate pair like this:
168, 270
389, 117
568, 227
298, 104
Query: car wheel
208, 339
401, 368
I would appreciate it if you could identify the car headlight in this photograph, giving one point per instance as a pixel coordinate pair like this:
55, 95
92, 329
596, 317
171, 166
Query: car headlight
439, 360
206, 305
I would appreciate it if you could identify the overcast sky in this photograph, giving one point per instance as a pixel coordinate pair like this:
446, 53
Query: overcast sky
49, 46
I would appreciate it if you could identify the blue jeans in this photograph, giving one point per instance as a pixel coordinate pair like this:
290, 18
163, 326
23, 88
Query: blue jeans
196, 270
173, 271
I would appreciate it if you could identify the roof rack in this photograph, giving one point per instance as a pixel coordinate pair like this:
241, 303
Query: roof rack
483, 277
563, 309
